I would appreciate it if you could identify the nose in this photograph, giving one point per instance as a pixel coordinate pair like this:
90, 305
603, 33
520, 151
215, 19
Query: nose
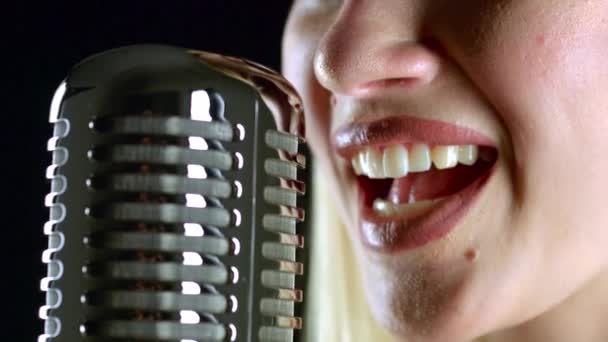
371, 47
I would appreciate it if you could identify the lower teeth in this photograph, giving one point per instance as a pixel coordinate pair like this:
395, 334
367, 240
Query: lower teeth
387, 208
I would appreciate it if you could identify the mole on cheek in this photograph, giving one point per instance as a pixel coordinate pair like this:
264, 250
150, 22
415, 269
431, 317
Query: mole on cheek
540, 40
471, 255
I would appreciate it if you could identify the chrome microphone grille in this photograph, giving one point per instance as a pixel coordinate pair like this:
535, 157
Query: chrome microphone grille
177, 204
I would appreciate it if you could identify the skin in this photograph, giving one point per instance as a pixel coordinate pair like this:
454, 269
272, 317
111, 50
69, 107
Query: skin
529, 261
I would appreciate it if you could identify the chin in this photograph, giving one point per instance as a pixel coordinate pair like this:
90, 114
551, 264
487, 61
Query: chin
426, 305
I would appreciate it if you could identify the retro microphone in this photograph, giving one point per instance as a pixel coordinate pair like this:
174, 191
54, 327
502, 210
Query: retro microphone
177, 204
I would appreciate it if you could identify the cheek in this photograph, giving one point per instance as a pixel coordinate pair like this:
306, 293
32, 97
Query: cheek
543, 74
550, 87
552, 94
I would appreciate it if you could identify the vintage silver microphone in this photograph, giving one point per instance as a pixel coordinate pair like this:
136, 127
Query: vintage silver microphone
177, 204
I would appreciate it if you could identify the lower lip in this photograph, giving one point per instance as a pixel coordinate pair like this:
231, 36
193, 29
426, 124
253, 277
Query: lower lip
391, 235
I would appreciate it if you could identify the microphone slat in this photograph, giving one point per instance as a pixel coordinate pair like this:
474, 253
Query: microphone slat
163, 331
165, 213
277, 307
160, 271
163, 183
280, 224
53, 298
58, 184
291, 267
56, 241
61, 128
278, 280
289, 322
54, 269
284, 141
295, 295
174, 126
279, 251
163, 242
282, 169
60, 156
281, 196
162, 301
52, 327
167, 155
275, 334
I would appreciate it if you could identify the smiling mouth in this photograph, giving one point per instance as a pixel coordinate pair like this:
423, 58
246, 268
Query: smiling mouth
412, 188
407, 181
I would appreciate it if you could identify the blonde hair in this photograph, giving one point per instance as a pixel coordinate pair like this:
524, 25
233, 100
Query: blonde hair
337, 309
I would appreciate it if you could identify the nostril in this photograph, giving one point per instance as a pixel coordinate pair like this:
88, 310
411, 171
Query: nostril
433, 44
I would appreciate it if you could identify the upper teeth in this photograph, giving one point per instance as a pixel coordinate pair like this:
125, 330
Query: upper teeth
396, 161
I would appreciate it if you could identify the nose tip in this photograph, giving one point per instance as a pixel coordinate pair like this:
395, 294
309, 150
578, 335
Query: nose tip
365, 68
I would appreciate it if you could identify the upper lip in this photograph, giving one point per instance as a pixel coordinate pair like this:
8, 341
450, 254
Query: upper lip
352, 137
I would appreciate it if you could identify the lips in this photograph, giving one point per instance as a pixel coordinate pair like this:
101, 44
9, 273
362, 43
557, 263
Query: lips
409, 212
404, 130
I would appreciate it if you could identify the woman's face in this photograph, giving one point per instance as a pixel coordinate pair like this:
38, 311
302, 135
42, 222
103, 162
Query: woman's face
459, 252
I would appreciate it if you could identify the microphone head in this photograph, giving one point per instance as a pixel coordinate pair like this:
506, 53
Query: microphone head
178, 201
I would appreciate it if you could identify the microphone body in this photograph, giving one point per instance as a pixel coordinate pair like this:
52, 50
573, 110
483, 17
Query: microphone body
177, 204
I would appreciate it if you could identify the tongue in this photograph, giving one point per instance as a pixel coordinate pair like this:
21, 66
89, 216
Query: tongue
433, 183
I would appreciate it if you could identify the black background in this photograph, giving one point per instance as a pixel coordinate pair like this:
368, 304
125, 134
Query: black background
42, 41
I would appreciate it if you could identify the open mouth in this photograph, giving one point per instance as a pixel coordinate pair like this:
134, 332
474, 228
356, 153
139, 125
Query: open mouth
416, 177
408, 180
